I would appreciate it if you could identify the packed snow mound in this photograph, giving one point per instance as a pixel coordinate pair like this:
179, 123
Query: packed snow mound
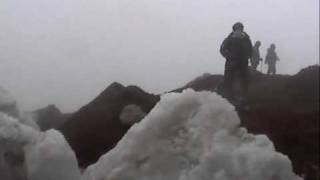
51, 158
191, 136
13, 138
9, 106
11, 130
26, 153
131, 114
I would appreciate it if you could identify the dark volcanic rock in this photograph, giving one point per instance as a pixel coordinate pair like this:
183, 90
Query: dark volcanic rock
49, 117
96, 127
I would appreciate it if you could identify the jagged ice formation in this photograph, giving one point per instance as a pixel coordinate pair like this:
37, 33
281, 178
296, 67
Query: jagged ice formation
191, 136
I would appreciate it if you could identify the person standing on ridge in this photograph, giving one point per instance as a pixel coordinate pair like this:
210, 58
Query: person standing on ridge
237, 49
255, 57
271, 59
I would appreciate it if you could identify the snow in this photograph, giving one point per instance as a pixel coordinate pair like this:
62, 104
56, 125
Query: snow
8, 106
191, 136
51, 158
12, 141
131, 114
26, 153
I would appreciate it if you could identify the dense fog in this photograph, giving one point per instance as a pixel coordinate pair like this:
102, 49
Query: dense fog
73, 49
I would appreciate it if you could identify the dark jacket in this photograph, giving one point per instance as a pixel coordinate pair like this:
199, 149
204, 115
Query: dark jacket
271, 57
255, 53
237, 46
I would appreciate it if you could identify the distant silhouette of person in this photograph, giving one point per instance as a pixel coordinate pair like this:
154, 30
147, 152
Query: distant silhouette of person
255, 57
237, 50
271, 59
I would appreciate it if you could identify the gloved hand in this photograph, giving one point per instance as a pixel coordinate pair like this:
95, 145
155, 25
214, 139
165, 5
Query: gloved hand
229, 56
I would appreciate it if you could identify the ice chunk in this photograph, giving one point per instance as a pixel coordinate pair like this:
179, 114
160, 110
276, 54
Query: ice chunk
26, 153
131, 114
9, 106
51, 158
13, 137
191, 136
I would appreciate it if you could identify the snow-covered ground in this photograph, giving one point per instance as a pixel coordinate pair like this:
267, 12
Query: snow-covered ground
187, 136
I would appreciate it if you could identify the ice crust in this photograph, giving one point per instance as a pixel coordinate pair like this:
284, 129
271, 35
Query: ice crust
131, 114
28, 154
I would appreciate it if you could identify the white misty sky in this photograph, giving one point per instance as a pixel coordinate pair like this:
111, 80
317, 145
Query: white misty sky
65, 52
